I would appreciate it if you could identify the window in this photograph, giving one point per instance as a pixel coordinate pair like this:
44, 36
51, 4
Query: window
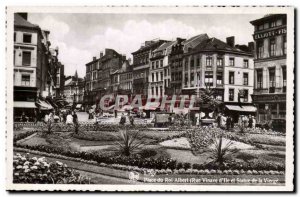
152, 77
157, 62
284, 45
245, 78
185, 64
153, 66
220, 61
192, 78
209, 61
284, 79
198, 62
271, 80
273, 24
259, 74
192, 64
231, 61
260, 27
157, 76
27, 38
152, 90
231, 94
246, 63
26, 58
185, 79
260, 49
15, 36
161, 76
156, 90
219, 78
160, 90
25, 81
208, 80
231, 77
161, 63
246, 95
272, 47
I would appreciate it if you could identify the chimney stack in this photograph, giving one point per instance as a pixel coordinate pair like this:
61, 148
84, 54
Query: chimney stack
230, 41
94, 58
251, 46
101, 54
23, 15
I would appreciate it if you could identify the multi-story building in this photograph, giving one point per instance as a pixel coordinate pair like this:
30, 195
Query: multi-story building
141, 59
98, 75
60, 76
270, 67
74, 90
176, 61
125, 79
31, 65
223, 68
159, 75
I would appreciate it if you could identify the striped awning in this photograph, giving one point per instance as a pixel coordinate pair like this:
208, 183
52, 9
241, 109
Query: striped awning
241, 108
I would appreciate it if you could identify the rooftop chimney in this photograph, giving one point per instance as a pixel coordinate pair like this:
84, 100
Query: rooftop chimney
230, 41
94, 58
23, 15
101, 54
251, 46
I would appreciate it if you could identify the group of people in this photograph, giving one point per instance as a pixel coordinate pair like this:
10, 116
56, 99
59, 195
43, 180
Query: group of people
227, 122
123, 119
68, 117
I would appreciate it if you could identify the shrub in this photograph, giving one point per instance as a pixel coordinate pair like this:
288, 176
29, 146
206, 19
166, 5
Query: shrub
145, 153
38, 171
128, 142
179, 166
186, 165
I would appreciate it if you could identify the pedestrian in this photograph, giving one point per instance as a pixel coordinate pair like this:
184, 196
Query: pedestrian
253, 122
75, 118
51, 117
228, 123
123, 119
131, 119
46, 119
250, 121
219, 120
69, 119
232, 122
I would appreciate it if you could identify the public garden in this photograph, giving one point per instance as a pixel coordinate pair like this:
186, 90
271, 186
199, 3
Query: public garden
106, 153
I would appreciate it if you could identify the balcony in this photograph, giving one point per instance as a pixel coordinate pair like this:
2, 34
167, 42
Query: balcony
261, 91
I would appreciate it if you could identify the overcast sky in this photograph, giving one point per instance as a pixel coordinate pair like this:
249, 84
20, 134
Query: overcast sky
82, 36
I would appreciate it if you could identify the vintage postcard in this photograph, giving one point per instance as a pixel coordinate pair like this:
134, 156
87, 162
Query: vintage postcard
150, 98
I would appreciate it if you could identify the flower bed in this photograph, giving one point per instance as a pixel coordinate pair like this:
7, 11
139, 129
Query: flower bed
234, 168
34, 170
258, 130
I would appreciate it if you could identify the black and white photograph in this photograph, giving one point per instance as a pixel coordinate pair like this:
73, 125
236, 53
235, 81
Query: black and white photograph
150, 98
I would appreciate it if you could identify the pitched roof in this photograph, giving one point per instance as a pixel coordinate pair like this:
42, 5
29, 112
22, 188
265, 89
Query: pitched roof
193, 41
20, 21
216, 44
151, 45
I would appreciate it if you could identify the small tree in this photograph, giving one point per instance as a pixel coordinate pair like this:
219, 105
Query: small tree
220, 152
128, 142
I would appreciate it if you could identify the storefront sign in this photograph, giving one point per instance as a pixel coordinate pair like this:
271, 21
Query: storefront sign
269, 98
269, 34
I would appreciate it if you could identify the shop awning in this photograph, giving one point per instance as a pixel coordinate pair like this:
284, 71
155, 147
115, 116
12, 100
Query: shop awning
241, 108
24, 104
44, 105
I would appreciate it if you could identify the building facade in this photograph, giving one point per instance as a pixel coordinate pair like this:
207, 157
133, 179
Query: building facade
270, 67
159, 75
141, 60
74, 90
223, 68
31, 66
99, 75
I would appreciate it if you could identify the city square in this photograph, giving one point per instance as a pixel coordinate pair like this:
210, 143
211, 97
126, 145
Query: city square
198, 109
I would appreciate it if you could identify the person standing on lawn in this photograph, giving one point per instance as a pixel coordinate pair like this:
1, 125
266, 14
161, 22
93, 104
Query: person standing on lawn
75, 118
69, 119
250, 121
228, 123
